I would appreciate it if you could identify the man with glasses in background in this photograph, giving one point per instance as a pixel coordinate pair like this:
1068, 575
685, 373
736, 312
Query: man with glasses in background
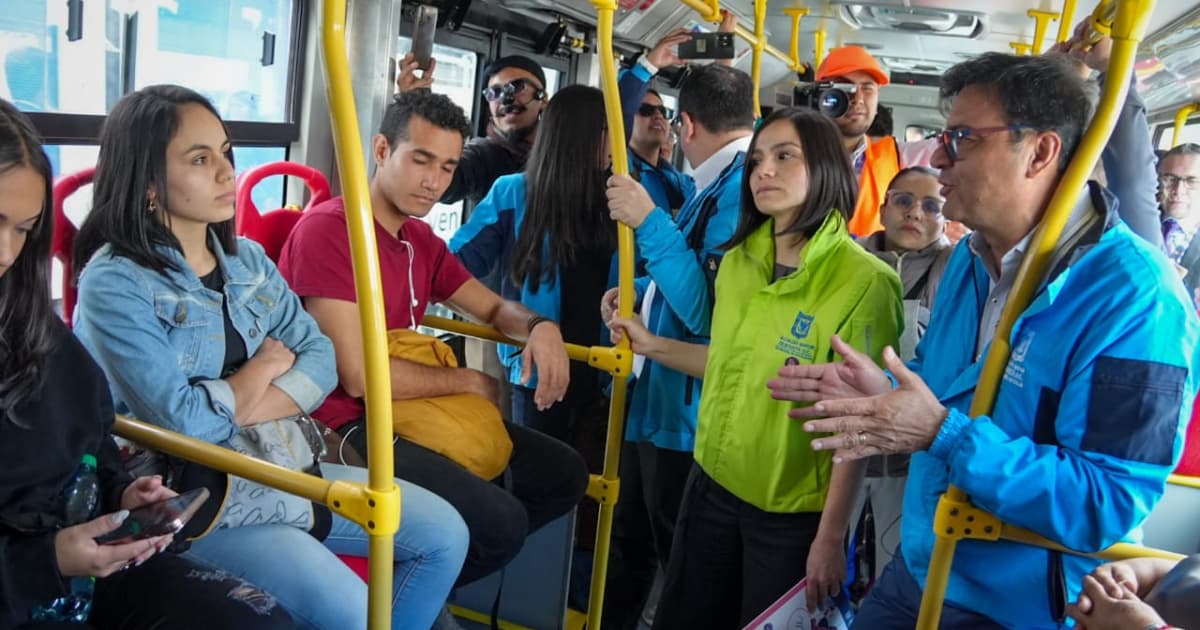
1094, 396
515, 93
1179, 194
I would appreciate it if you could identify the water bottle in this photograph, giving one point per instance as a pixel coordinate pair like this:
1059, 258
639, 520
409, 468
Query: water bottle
80, 497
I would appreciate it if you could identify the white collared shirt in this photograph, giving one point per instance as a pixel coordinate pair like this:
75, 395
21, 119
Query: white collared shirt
1000, 286
709, 169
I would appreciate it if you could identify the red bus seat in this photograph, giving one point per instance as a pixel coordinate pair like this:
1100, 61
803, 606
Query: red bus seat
1190, 463
271, 229
64, 235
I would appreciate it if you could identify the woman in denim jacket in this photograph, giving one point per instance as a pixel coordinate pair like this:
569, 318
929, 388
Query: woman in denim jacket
199, 334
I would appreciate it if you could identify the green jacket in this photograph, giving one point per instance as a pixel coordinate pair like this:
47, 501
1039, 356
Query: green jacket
745, 440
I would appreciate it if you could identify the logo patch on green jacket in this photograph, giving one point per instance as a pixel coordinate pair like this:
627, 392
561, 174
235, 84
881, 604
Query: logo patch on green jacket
802, 325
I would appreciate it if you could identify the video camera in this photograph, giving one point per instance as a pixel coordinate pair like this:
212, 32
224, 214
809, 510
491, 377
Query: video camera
831, 99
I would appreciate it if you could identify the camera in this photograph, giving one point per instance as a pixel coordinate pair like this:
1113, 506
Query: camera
831, 99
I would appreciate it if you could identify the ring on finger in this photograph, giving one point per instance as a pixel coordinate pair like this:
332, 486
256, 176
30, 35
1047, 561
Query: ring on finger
862, 438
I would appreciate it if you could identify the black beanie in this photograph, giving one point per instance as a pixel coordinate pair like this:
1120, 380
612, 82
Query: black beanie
515, 61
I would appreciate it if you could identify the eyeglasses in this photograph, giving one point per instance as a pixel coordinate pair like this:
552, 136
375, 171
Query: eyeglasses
1174, 181
907, 200
950, 138
512, 88
646, 110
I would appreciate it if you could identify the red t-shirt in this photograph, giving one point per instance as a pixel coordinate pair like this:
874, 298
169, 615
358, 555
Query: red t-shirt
316, 263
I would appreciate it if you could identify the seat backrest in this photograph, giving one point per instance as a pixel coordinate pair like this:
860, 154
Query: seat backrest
271, 229
64, 235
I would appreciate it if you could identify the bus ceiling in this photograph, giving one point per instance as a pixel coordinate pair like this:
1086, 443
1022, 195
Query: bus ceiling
917, 40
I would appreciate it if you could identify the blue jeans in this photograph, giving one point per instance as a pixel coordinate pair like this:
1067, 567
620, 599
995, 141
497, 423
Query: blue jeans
895, 601
319, 590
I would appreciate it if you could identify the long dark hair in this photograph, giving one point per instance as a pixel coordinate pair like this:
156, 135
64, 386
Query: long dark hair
133, 159
831, 182
565, 207
26, 319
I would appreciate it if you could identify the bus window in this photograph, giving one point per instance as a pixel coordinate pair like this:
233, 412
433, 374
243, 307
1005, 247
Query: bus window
454, 76
1166, 132
40, 71
221, 44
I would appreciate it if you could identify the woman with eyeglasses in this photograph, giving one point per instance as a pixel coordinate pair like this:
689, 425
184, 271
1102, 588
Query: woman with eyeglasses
913, 242
762, 510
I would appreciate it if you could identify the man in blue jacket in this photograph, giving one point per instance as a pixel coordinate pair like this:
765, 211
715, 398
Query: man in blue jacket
717, 115
1089, 416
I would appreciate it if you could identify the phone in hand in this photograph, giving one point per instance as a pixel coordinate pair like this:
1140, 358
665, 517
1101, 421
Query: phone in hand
157, 519
424, 25
708, 46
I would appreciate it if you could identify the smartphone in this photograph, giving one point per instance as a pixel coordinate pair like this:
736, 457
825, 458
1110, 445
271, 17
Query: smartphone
157, 519
424, 25
708, 46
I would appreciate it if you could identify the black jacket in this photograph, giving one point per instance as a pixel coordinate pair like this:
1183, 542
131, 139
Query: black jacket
484, 160
70, 416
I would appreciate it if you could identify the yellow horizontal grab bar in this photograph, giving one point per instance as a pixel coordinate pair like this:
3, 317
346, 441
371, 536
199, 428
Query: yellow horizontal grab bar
479, 331
1186, 481
208, 454
1181, 117
1119, 551
355, 501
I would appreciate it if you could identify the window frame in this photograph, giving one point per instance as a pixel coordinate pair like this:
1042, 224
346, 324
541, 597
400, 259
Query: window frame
66, 128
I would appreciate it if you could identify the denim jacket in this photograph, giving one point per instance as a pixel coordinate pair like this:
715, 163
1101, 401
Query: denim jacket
160, 337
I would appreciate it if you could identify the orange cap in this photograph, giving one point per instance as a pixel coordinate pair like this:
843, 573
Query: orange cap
842, 61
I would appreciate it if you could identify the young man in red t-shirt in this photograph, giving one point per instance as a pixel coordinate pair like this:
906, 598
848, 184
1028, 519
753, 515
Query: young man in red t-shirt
416, 151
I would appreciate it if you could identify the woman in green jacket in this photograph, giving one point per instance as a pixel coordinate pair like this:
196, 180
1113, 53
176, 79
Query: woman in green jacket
762, 509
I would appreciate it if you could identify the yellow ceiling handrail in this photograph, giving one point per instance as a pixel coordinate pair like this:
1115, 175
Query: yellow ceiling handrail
1021, 48
706, 8
1065, 21
760, 42
818, 47
796, 14
1181, 117
1041, 21
383, 494
1127, 28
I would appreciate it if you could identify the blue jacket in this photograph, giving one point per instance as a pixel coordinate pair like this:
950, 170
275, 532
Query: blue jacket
487, 240
160, 337
1087, 424
682, 257
669, 188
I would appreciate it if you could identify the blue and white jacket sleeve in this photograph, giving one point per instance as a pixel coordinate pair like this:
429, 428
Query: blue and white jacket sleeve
678, 270
632, 85
481, 242
1106, 447
123, 333
1129, 167
314, 373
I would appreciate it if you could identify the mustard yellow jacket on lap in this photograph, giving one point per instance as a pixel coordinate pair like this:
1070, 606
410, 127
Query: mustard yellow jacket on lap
745, 440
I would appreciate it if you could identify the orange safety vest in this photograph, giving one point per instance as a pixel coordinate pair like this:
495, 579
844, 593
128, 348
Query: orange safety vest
880, 165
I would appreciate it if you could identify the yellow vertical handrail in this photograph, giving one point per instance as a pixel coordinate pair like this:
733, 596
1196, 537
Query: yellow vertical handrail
1065, 20
1041, 22
760, 42
796, 14
606, 488
1130, 22
818, 47
1181, 117
383, 503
